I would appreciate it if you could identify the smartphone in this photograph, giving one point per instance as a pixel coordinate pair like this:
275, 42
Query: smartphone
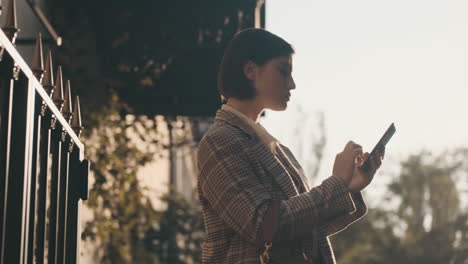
382, 142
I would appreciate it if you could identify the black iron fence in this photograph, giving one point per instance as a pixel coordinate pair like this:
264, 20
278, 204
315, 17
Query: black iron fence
43, 174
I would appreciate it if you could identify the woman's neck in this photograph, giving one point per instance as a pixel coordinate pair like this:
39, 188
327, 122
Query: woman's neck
251, 108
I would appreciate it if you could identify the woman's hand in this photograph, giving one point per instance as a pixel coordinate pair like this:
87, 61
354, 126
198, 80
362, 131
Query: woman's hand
345, 162
361, 178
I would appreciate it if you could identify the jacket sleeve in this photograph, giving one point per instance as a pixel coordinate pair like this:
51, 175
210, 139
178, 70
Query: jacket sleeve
342, 222
228, 183
315, 208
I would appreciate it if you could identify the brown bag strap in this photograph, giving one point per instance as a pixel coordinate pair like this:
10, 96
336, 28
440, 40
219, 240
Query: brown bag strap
271, 222
269, 229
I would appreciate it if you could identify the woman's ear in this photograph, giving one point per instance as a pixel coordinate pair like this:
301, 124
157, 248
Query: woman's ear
250, 69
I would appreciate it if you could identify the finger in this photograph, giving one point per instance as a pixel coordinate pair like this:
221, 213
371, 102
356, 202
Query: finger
357, 152
365, 155
381, 152
378, 161
357, 155
375, 163
373, 168
358, 160
351, 145
361, 158
370, 172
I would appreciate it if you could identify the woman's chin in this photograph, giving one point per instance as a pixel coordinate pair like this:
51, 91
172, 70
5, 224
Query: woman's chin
279, 107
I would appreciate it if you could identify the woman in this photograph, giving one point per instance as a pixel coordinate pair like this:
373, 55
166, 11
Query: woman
257, 205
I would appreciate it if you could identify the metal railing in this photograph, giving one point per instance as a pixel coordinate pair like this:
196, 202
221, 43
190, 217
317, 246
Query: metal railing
43, 174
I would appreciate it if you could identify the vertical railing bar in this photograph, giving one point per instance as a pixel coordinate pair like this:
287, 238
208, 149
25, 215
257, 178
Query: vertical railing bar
64, 177
78, 175
65, 205
54, 190
82, 183
7, 169
61, 199
35, 181
42, 186
38, 70
73, 234
68, 199
44, 175
76, 193
32, 214
5, 136
11, 72
57, 140
18, 179
30, 124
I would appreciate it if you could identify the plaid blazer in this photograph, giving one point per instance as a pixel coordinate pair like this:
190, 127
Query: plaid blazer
239, 178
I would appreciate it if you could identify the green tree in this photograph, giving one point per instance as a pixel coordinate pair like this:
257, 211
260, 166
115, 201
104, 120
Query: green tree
125, 225
429, 223
178, 235
122, 213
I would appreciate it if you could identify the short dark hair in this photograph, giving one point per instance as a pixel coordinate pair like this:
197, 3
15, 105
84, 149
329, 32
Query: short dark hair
256, 45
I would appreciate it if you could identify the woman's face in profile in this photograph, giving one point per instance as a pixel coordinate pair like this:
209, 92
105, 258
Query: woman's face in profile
273, 82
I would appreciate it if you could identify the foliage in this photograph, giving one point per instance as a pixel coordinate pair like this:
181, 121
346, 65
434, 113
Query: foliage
122, 214
179, 233
428, 224
125, 226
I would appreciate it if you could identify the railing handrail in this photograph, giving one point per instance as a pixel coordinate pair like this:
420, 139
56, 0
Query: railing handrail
8, 46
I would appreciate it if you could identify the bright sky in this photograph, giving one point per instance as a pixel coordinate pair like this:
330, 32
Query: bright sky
366, 64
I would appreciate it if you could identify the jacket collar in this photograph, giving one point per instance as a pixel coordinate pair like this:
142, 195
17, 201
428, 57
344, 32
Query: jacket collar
232, 119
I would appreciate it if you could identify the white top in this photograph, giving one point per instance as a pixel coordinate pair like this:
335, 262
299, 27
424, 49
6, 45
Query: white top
270, 141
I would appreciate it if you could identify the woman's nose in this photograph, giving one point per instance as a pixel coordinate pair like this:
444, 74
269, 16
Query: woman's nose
292, 84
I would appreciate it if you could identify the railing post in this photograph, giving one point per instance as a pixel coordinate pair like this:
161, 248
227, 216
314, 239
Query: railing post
8, 72
79, 179
17, 204
63, 179
44, 174
38, 70
12, 199
56, 150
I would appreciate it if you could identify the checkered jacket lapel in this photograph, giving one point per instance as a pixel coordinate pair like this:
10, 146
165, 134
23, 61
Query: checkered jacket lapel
269, 161
297, 167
